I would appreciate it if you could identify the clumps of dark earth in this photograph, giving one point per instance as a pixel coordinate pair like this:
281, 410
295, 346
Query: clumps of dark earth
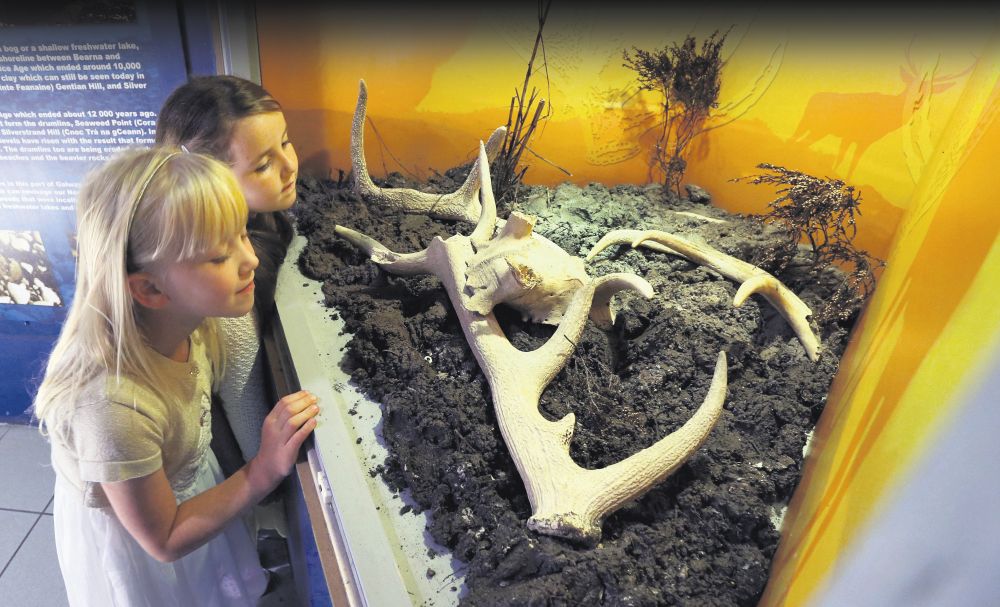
704, 536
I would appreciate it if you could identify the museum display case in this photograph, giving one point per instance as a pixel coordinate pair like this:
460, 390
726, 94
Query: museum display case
421, 485
902, 112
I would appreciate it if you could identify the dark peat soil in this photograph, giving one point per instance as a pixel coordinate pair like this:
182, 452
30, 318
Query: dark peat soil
704, 536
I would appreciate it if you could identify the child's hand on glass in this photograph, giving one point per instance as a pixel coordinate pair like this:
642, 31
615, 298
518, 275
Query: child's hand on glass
285, 429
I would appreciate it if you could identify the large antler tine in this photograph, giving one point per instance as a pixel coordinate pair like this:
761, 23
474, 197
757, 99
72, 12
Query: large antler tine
468, 192
462, 204
547, 360
576, 508
495, 142
601, 312
473, 181
404, 264
751, 278
611, 238
705, 255
488, 213
362, 181
699, 217
625, 237
795, 311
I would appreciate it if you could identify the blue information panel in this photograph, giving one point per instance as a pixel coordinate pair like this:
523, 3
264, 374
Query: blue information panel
78, 81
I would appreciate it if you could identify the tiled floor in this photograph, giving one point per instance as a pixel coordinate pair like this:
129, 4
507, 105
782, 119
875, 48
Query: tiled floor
29, 569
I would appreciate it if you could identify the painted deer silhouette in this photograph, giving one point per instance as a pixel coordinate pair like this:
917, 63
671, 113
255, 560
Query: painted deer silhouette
864, 118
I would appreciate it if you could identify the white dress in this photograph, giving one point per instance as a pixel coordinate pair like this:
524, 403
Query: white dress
103, 566
101, 563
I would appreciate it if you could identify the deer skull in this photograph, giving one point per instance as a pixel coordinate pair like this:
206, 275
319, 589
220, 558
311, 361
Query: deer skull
525, 271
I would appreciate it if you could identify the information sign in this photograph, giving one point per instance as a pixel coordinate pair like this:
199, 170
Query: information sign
78, 81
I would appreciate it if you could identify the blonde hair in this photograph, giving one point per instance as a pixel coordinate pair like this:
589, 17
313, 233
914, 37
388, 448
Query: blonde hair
142, 207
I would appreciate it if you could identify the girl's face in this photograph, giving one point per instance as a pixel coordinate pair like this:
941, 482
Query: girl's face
219, 283
264, 162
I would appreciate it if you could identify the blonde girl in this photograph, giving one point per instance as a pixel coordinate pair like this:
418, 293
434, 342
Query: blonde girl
142, 514
240, 123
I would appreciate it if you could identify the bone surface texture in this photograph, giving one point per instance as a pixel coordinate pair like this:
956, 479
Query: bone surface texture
508, 265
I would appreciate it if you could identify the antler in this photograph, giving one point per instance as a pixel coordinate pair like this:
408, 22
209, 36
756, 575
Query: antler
752, 279
566, 500
462, 204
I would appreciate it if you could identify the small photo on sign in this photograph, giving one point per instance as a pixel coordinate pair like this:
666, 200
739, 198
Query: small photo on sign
25, 271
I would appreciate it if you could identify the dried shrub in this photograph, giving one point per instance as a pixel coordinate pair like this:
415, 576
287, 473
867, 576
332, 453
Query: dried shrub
821, 212
522, 118
689, 81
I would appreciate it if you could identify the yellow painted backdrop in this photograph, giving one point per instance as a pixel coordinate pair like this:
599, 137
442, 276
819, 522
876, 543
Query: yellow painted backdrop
898, 104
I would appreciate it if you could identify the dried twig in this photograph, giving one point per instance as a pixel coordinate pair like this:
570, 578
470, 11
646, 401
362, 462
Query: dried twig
521, 124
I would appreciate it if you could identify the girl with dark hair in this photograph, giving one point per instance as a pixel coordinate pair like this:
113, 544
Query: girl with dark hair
240, 123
